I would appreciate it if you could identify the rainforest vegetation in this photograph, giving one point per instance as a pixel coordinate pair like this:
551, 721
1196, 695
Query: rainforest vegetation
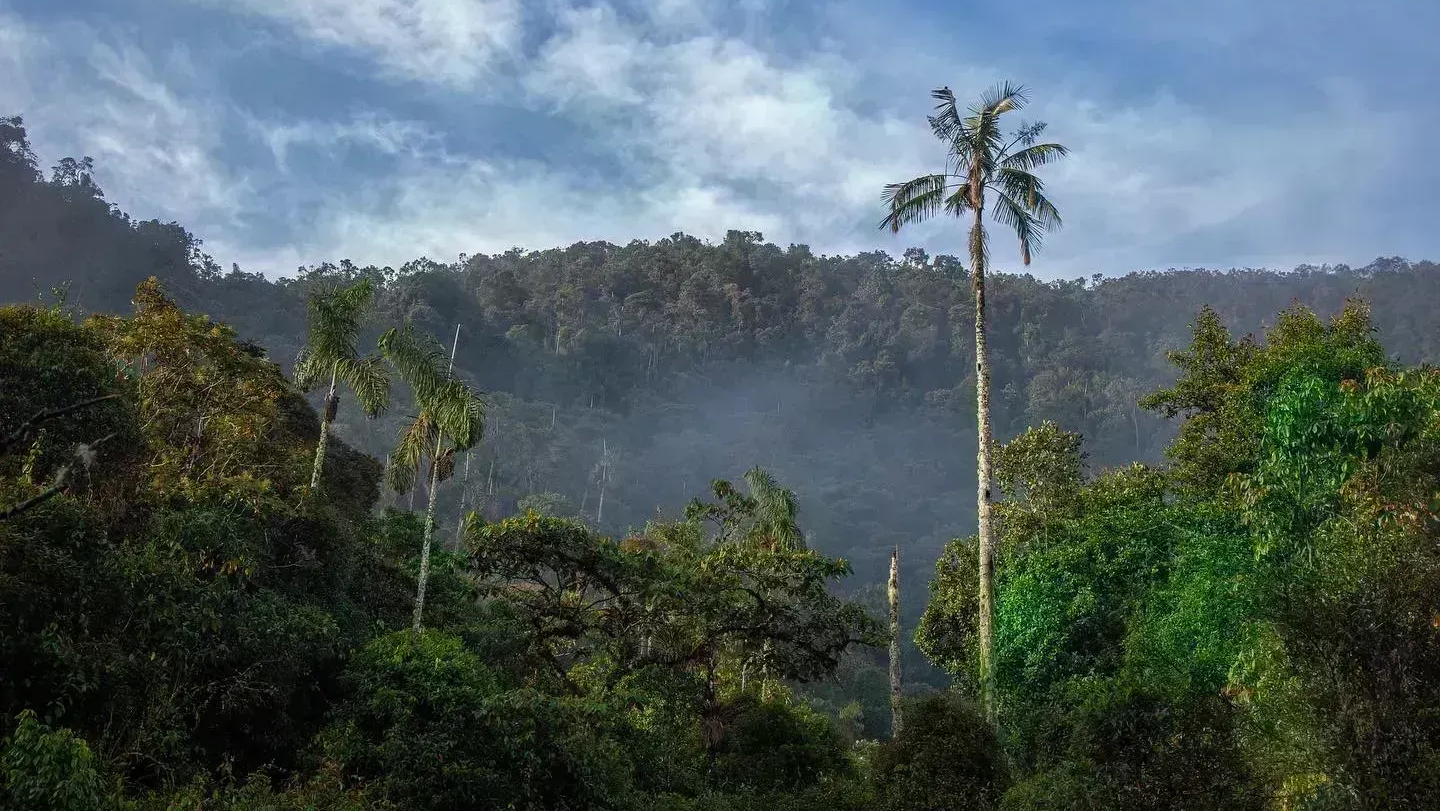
609, 526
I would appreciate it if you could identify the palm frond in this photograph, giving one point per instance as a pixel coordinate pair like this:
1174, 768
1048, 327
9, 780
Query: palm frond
1029, 192
947, 124
418, 358
958, 202
460, 414
335, 317
1033, 157
1025, 135
776, 510
1002, 98
309, 370
914, 200
370, 381
1027, 229
474, 422
984, 124
399, 479
981, 157
416, 441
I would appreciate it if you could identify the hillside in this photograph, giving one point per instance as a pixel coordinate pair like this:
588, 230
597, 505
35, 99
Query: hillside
681, 361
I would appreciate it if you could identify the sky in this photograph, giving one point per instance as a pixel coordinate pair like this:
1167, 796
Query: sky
1203, 133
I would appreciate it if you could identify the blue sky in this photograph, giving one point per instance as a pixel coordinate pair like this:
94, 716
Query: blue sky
1217, 133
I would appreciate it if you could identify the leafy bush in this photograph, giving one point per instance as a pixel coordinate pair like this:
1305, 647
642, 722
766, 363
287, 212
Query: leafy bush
946, 758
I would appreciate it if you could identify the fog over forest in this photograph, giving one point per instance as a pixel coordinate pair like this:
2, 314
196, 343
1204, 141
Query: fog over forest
848, 377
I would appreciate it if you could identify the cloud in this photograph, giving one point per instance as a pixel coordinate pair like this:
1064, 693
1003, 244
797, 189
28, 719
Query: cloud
158, 147
652, 116
454, 43
368, 131
154, 149
439, 204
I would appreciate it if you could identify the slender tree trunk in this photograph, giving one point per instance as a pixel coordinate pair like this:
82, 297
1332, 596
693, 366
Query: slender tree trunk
324, 433
604, 474
895, 721
429, 534
464, 489
430, 510
1135, 420
984, 521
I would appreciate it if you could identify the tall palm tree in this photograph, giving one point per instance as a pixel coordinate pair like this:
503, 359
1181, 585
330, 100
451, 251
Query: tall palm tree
330, 350
450, 418
980, 159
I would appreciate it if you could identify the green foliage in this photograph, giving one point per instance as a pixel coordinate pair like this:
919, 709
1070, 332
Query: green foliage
209, 406
946, 759
771, 747
324, 791
1215, 636
1225, 385
63, 416
219, 640
669, 598
434, 728
1122, 747
48, 770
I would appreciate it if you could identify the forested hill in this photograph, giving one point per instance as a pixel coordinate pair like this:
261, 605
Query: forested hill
646, 370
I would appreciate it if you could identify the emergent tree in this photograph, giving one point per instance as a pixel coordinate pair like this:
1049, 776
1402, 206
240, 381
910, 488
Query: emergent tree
981, 158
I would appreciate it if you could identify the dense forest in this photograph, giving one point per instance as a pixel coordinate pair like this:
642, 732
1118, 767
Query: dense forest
1216, 583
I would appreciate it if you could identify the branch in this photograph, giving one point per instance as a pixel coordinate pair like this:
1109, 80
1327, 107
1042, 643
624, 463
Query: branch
45, 415
38, 499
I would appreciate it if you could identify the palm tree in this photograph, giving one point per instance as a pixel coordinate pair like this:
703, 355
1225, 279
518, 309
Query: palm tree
450, 418
980, 159
335, 317
776, 512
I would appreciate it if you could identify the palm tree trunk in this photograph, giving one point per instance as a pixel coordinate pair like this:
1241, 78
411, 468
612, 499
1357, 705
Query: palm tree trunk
429, 533
430, 509
982, 473
324, 433
895, 722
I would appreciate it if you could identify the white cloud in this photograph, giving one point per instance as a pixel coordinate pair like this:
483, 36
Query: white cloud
594, 62
373, 131
718, 113
698, 131
158, 149
440, 205
154, 150
454, 43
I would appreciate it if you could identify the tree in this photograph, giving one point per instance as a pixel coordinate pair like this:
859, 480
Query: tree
894, 595
979, 160
330, 348
776, 512
449, 413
